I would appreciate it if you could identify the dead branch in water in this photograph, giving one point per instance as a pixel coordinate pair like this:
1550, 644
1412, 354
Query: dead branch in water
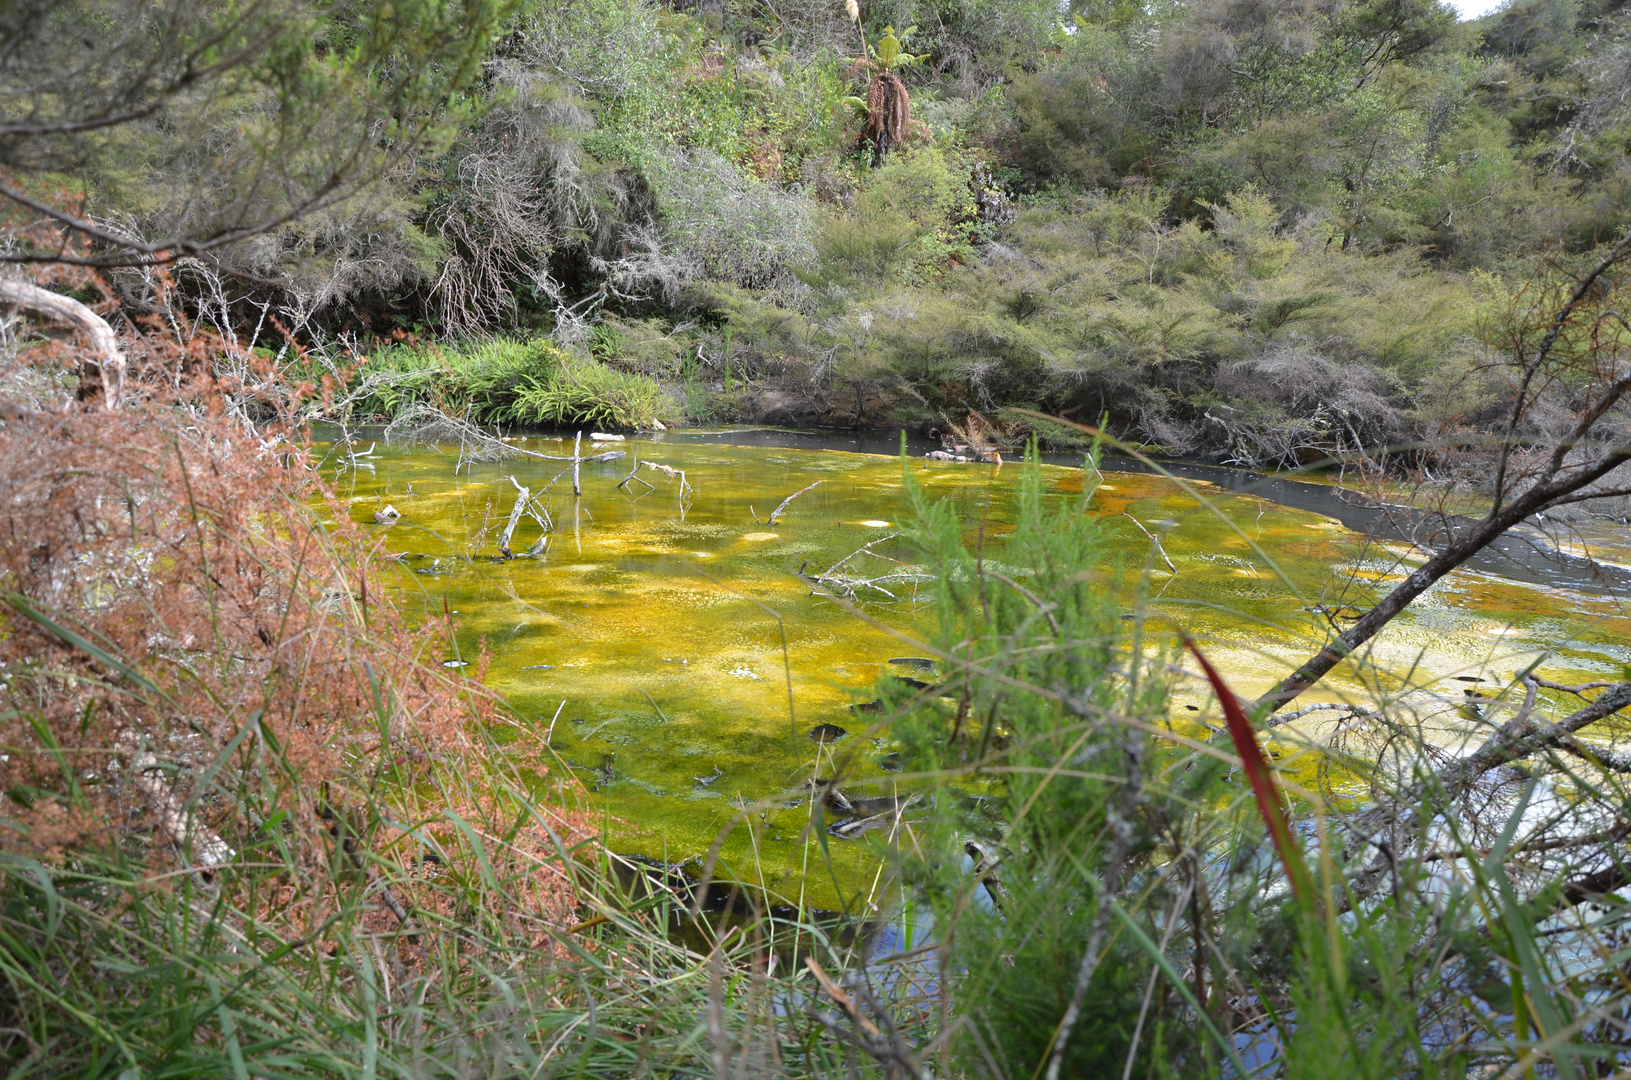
632, 478
609, 455
577, 459
678, 474
522, 498
778, 511
424, 423
841, 579
1526, 735
1156, 540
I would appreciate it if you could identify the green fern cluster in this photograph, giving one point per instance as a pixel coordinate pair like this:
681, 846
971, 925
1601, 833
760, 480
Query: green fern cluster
589, 392
504, 381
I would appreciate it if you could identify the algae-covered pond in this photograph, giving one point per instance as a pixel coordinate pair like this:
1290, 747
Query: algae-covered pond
659, 619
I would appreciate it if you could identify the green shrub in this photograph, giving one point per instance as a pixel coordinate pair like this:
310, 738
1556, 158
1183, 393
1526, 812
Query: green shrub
588, 392
503, 381
1072, 124
1081, 831
905, 225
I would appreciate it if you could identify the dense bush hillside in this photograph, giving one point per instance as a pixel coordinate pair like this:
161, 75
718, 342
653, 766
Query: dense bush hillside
1261, 231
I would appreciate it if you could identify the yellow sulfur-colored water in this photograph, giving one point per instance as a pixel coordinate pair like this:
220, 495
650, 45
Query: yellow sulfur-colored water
660, 622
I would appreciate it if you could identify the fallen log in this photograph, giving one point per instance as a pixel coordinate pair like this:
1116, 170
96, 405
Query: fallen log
43, 303
208, 850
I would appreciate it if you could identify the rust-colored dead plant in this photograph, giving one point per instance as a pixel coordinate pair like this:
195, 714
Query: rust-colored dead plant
200, 672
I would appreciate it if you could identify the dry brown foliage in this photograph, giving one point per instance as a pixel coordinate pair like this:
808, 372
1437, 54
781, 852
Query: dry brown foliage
196, 656
888, 114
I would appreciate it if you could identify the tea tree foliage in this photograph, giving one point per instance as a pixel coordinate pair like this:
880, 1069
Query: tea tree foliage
200, 125
1058, 225
1045, 616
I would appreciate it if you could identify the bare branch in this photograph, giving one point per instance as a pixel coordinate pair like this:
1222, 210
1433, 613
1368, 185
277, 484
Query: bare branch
1577, 690
1479, 536
1045, 609
522, 498
65, 309
1583, 288
1153, 539
1522, 736
1323, 706
672, 473
776, 513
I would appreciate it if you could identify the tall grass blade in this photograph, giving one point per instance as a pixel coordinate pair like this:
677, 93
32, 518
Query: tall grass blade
1142, 940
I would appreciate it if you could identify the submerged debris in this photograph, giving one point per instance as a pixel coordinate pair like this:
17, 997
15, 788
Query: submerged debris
844, 578
868, 814
830, 796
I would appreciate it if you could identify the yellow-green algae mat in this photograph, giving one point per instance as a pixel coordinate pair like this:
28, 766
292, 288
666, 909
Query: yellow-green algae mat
646, 617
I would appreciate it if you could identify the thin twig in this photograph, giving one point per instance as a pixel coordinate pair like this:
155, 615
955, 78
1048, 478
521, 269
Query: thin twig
1153, 539
1045, 609
633, 469
672, 473
778, 511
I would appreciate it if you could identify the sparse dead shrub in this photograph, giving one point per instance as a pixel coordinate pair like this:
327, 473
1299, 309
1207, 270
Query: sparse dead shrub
1291, 406
211, 704
170, 583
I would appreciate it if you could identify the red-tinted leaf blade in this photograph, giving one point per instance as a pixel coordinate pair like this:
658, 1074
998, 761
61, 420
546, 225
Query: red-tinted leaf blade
1261, 777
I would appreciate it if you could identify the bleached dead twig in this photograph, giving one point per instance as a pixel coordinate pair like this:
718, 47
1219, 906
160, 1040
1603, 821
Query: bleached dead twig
522, 498
208, 849
1156, 540
849, 584
632, 478
672, 473
778, 511
1324, 706
428, 424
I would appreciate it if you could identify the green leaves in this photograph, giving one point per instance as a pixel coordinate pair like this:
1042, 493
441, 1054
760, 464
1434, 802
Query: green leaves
889, 52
